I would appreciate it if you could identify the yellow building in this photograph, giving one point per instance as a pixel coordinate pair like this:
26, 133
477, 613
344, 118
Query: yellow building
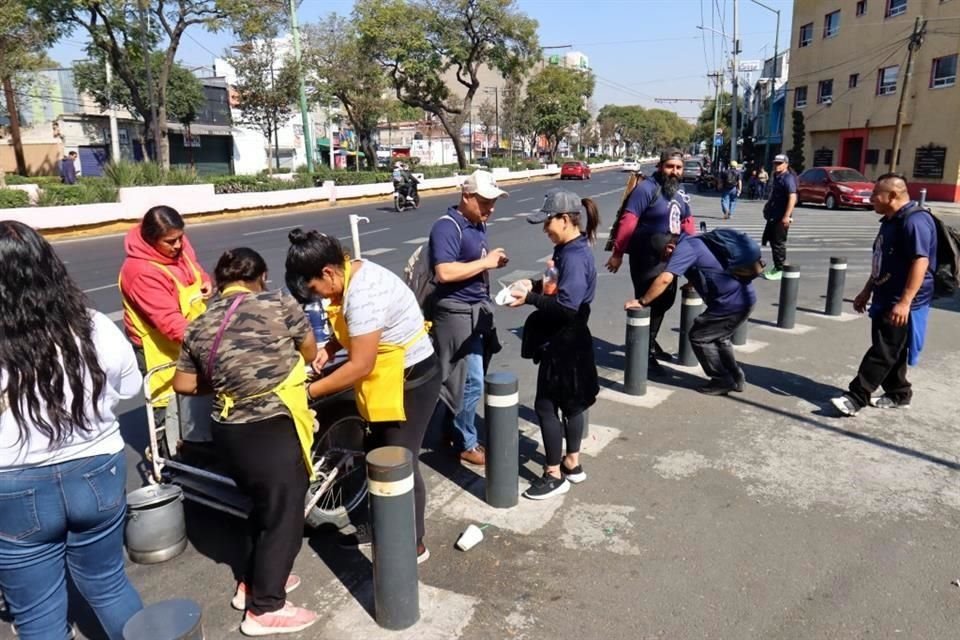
848, 63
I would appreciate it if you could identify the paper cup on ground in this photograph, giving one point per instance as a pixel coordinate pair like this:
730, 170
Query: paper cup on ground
470, 537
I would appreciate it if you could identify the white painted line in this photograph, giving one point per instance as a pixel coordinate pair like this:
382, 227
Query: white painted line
654, 396
116, 316
377, 252
603, 234
526, 199
822, 249
606, 193
106, 286
750, 346
417, 240
521, 216
365, 233
546, 257
490, 224
843, 317
528, 516
798, 329
274, 229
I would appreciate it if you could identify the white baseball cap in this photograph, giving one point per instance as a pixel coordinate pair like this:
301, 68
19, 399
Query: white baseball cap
484, 185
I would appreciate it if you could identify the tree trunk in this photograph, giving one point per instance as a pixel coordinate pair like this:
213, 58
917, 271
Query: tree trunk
457, 143
11, 100
269, 155
163, 153
367, 147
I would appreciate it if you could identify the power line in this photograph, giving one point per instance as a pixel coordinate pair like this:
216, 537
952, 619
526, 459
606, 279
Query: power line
200, 44
864, 56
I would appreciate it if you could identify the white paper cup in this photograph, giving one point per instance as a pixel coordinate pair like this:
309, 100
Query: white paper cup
470, 537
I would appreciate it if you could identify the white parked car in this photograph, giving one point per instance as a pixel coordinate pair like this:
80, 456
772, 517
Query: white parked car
630, 164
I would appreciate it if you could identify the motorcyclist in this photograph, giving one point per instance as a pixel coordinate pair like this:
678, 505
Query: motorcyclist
404, 182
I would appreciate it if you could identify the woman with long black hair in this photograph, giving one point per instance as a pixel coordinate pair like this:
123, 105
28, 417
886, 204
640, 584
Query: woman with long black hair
557, 337
63, 370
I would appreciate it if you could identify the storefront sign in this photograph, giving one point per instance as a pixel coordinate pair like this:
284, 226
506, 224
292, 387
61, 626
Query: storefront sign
823, 157
928, 162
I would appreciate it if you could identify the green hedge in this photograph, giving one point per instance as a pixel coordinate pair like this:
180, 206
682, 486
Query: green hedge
13, 199
253, 184
87, 192
13, 178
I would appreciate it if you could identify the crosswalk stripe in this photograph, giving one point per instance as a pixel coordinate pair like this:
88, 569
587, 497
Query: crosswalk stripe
417, 240
377, 252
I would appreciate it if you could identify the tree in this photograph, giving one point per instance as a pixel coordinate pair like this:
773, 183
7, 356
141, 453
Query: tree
24, 35
556, 98
704, 128
417, 43
797, 161
116, 31
337, 67
265, 94
487, 115
510, 104
184, 92
646, 130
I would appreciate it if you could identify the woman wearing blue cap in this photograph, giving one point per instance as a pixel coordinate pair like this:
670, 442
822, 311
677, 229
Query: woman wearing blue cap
557, 337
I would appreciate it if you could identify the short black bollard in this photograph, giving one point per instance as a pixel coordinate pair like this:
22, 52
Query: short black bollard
923, 198
703, 227
835, 283
740, 335
789, 286
691, 307
637, 351
502, 415
396, 595
167, 620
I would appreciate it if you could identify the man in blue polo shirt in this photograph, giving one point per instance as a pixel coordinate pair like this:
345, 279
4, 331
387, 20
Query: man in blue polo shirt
899, 292
729, 301
778, 213
462, 315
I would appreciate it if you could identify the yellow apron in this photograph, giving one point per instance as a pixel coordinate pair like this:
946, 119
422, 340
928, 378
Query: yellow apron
293, 394
157, 348
380, 394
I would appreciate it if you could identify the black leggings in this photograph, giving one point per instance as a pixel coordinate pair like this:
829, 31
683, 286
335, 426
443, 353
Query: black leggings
418, 403
552, 428
644, 269
266, 462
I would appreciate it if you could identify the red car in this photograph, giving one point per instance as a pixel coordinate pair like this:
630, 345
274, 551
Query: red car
577, 169
834, 187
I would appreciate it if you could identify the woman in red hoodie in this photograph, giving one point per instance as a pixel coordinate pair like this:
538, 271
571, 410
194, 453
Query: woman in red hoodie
163, 288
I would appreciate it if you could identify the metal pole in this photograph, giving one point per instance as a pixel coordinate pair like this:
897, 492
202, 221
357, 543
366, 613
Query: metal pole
923, 197
915, 41
295, 30
151, 90
112, 112
637, 351
773, 93
396, 595
501, 413
734, 128
690, 308
740, 334
355, 233
718, 81
330, 133
789, 286
276, 125
496, 113
835, 282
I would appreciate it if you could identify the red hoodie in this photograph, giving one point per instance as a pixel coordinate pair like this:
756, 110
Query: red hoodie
150, 291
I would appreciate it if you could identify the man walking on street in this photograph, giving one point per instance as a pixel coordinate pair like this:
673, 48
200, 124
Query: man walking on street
732, 186
68, 168
778, 212
730, 298
899, 292
463, 326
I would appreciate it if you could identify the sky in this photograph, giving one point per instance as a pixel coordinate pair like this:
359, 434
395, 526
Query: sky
639, 50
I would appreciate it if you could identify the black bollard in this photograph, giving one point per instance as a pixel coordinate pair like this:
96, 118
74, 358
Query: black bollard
502, 415
789, 286
637, 351
703, 227
835, 283
396, 595
740, 335
691, 307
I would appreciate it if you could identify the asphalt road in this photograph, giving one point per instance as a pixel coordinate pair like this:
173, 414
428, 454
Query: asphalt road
758, 515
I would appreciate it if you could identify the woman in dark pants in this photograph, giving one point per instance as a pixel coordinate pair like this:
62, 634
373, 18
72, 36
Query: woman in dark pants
391, 363
251, 347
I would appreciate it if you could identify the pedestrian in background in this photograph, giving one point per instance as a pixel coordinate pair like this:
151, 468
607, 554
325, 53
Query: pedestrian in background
732, 186
898, 292
63, 472
778, 213
557, 337
68, 168
763, 178
462, 314
657, 206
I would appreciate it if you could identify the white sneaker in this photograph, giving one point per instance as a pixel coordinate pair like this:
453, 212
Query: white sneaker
845, 405
290, 619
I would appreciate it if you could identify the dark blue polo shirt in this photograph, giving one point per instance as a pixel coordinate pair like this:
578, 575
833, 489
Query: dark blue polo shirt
662, 216
447, 244
722, 293
783, 185
576, 273
902, 239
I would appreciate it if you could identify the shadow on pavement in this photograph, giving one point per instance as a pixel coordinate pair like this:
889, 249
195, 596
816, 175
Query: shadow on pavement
785, 383
353, 569
218, 536
133, 428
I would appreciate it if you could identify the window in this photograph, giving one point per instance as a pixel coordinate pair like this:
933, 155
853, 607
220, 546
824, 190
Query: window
887, 80
944, 72
825, 92
896, 7
806, 34
888, 155
800, 98
873, 156
861, 8
853, 81
831, 24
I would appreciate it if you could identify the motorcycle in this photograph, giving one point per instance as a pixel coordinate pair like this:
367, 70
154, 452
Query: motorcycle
409, 200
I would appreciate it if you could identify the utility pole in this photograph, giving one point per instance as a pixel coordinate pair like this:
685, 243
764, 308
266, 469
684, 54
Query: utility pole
773, 84
916, 39
718, 83
735, 129
151, 90
305, 117
114, 132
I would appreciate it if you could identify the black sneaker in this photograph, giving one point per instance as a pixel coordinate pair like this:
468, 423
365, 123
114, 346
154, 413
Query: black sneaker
575, 475
546, 486
740, 381
887, 401
716, 387
655, 369
361, 537
659, 353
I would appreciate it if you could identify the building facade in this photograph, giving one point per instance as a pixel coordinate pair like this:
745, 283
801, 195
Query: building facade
769, 93
848, 68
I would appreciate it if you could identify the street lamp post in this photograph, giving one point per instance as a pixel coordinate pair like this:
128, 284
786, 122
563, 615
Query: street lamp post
295, 30
773, 83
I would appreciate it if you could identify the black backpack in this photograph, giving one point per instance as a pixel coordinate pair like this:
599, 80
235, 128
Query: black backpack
946, 279
731, 177
737, 253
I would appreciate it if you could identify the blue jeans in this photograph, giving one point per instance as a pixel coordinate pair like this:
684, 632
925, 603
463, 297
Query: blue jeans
464, 430
728, 201
67, 515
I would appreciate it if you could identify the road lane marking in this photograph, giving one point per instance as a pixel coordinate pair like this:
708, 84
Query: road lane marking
420, 240
262, 231
549, 256
106, 286
365, 233
377, 252
526, 199
116, 316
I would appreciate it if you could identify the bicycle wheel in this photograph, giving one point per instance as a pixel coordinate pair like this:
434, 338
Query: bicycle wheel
340, 447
